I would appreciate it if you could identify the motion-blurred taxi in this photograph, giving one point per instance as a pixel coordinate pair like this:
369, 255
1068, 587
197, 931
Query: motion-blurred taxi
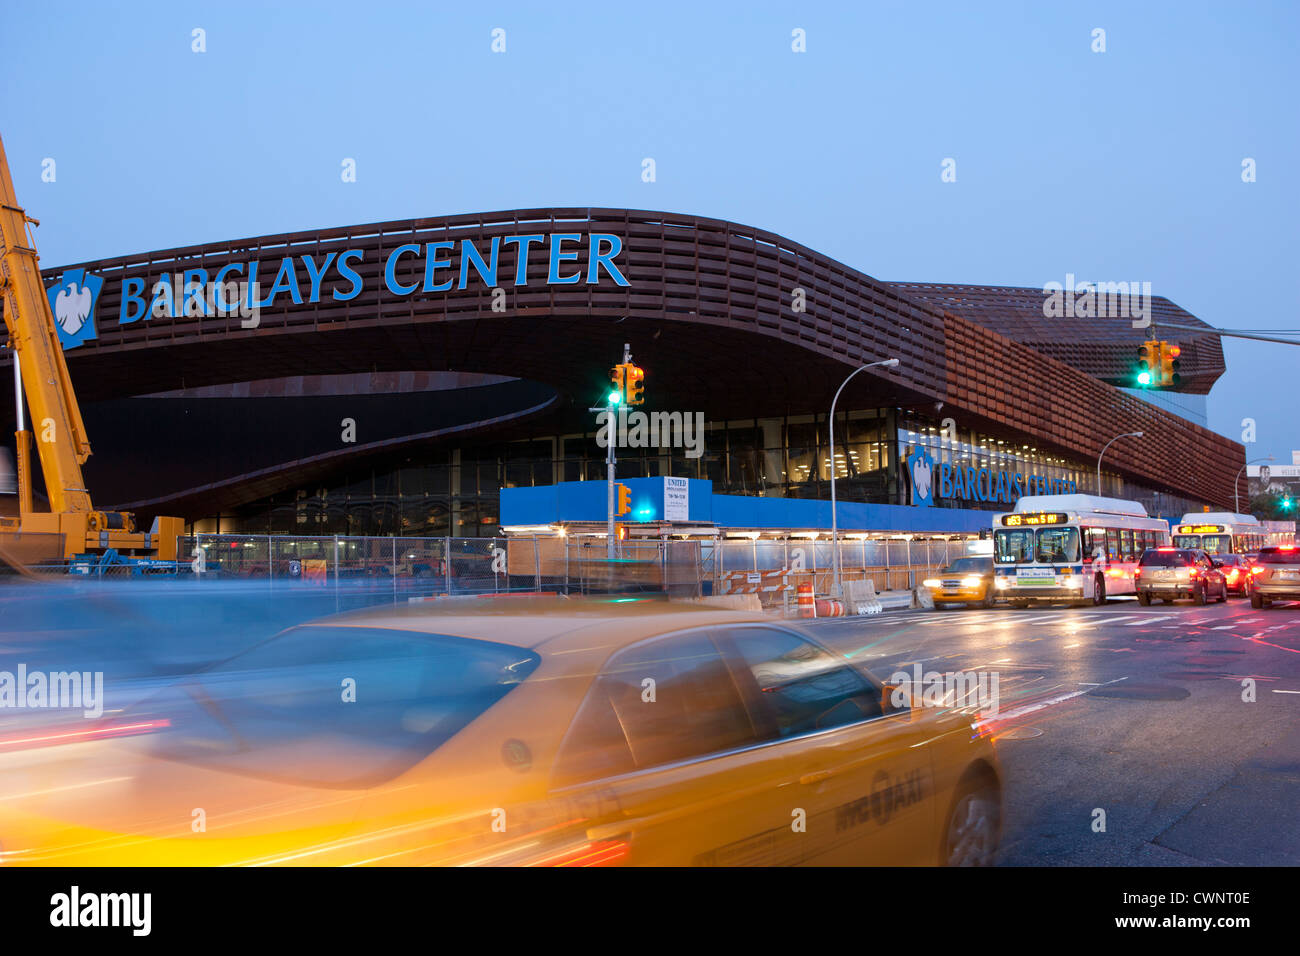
533, 732
965, 581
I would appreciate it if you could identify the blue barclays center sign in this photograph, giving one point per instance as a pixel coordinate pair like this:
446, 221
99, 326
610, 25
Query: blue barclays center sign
967, 483
441, 266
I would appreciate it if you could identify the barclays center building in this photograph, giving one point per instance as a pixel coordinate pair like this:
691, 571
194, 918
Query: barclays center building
438, 377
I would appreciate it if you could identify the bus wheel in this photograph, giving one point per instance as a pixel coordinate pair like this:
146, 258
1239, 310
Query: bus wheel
1099, 590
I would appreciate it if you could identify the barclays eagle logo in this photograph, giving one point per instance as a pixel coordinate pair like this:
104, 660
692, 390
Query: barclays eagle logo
72, 300
921, 468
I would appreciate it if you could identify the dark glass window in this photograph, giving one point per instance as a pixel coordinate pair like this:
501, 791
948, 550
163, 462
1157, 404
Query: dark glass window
1166, 559
800, 687
691, 709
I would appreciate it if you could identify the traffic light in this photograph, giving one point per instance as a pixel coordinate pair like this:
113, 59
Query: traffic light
1169, 365
624, 500
1148, 363
628, 383
635, 379
620, 531
1287, 503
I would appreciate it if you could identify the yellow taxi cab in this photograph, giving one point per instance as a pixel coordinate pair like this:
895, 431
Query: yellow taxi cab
553, 731
967, 580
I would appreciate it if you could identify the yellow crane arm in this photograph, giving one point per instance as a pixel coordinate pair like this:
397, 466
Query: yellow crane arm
60, 433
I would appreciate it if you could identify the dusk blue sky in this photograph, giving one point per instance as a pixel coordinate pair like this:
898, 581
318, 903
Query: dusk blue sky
1123, 165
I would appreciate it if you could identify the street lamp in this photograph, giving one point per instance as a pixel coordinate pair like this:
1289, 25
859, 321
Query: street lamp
1236, 499
836, 589
1103, 452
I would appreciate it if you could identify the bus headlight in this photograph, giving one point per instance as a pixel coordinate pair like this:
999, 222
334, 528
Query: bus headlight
1072, 581
1002, 582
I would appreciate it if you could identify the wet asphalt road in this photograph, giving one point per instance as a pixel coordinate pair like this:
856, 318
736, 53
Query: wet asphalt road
1137, 712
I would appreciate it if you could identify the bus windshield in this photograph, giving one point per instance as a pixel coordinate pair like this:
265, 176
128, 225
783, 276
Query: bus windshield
1216, 543
1013, 547
1210, 543
1058, 544
1046, 546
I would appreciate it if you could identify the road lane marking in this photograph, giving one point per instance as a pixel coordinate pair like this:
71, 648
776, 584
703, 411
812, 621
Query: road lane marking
1040, 705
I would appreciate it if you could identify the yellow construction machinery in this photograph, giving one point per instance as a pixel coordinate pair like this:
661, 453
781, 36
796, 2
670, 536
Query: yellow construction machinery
41, 372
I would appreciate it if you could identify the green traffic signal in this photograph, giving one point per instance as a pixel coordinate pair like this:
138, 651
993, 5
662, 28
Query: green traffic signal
614, 398
1144, 378
1287, 503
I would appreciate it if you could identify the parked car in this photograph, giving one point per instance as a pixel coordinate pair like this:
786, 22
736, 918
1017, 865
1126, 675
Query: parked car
1173, 573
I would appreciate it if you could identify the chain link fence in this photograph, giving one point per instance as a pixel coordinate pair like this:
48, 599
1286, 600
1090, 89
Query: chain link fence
890, 564
411, 567
414, 567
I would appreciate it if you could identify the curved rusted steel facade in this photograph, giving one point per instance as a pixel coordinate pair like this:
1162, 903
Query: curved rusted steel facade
724, 317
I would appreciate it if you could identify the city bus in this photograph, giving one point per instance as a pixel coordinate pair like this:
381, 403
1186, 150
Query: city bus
1221, 532
1075, 548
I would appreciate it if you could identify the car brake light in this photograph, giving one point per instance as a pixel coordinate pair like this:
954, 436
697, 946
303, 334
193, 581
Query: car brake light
1193, 572
1166, 549
1256, 570
54, 736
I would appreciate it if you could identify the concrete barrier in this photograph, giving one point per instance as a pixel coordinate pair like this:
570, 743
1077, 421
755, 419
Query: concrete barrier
731, 602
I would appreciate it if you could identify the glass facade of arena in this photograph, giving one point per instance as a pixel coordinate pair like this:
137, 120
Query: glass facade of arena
455, 491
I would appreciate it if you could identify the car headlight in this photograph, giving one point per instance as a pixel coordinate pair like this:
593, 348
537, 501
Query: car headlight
971, 581
930, 583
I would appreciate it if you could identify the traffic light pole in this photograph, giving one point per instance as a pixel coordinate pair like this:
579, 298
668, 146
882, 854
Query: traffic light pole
609, 471
611, 406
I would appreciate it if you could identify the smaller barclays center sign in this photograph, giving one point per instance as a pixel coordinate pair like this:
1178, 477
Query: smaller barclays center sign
567, 258
930, 481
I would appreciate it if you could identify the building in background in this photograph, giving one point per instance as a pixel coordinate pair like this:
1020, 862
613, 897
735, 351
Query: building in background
394, 377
